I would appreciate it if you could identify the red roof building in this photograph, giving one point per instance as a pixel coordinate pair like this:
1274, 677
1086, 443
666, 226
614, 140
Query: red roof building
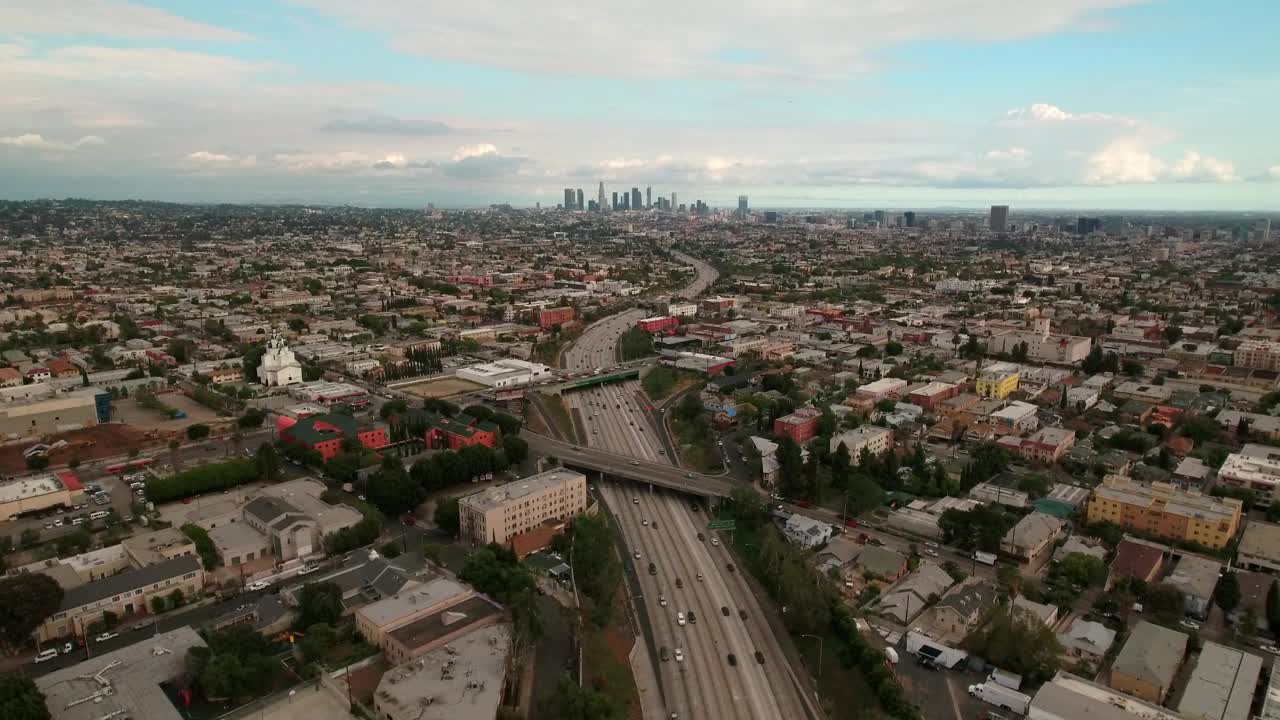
800, 425
325, 433
461, 431
551, 317
61, 368
1136, 560
658, 324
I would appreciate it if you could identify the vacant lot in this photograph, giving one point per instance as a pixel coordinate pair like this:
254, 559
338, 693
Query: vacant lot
128, 411
443, 388
85, 444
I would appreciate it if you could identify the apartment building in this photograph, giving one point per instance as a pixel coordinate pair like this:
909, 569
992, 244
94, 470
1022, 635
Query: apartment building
423, 617
933, 394
1049, 444
1256, 467
1166, 511
1258, 354
126, 594
496, 514
875, 440
997, 381
800, 425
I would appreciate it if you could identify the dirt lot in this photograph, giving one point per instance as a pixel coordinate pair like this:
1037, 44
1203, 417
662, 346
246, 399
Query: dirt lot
127, 411
85, 444
440, 388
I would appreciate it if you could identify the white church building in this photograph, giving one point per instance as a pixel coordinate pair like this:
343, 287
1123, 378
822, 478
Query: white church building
279, 367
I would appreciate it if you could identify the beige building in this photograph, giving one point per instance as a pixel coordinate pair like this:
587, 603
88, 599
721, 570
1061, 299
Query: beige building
292, 520
421, 618
496, 514
50, 415
156, 547
1148, 662
1166, 511
126, 594
1259, 354
462, 681
39, 492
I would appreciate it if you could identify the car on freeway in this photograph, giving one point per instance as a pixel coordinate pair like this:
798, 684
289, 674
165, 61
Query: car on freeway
644, 523
733, 660
742, 614
699, 577
680, 619
106, 636
679, 655
729, 567
635, 501
664, 654
693, 619
724, 610
662, 600
679, 584
759, 657
701, 537
634, 462
715, 541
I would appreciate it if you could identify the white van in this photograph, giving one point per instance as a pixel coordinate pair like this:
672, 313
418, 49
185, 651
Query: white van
97, 515
78, 520
49, 654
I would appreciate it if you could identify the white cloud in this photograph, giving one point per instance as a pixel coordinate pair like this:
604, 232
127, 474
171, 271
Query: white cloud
204, 157
104, 17
33, 141
1194, 167
1122, 162
1274, 172
469, 151
749, 39
88, 63
90, 141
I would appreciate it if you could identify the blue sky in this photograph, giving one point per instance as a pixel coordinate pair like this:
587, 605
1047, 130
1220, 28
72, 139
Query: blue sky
915, 103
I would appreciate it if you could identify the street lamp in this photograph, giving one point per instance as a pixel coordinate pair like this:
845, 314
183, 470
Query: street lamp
821, 642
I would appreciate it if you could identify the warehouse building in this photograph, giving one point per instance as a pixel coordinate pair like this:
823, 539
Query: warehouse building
39, 492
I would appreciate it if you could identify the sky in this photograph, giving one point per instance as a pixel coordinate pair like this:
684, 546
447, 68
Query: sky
1106, 104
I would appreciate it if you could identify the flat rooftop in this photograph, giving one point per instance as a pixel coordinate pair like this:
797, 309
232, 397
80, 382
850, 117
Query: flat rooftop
503, 494
1222, 684
123, 683
462, 680
29, 487
431, 593
427, 630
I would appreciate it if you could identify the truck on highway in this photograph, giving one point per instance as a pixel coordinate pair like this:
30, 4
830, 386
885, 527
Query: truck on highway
985, 558
1001, 696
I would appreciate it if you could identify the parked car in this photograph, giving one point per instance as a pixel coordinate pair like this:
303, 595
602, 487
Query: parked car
259, 585
106, 636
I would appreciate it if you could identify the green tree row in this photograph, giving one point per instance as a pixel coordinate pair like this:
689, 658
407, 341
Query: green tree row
203, 479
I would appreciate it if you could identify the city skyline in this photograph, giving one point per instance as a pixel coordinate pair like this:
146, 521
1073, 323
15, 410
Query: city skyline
1069, 104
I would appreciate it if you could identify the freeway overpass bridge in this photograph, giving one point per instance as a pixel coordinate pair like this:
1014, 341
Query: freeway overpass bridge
667, 476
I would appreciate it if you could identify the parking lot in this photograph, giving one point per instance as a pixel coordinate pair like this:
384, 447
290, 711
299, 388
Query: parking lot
940, 694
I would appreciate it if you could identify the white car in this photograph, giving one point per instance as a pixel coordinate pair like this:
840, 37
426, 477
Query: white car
636, 554
106, 636
679, 655
644, 523
259, 585
1189, 625
662, 600
67, 647
1271, 649
715, 541
680, 619
308, 569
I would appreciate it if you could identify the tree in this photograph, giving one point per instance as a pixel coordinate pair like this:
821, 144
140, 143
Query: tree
571, 702
20, 699
319, 602
446, 516
29, 538
1015, 640
198, 431
515, 448
267, 461
1227, 594
320, 639
1081, 569
26, 601
1273, 608
157, 604
204, 544
393, 407
791, 480
37, 462
392, 490
892, 348
75, 542
1166, 602
175, 599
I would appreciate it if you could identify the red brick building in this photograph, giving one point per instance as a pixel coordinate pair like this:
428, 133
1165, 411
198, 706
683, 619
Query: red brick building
460, 432
551, 317
658, 324
325, 433
933, 394
61, 368
800, 425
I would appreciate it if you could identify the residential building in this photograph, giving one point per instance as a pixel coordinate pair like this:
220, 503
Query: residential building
1259, 547
457, 432
1031, 539
126, 594
460, 681
1087, 640
325, 433
800, 425
1222, 684
295, 521
1143, 392
36, 493
1196, 578
959, 611
1041, 346
1069, 697
1148, 662
1048, 445
1136, 560
882, 389
1256, 467
554, 317
10, 377
496, 514
873, 439
932, 395
123, 683
882, 562
1260, 354
157, 546
805, 531
912, 595
1016, 417
997, 381
1165, 511
989, 492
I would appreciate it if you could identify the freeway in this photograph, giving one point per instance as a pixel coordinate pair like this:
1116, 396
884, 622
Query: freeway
622, 466
706, 276
597, 346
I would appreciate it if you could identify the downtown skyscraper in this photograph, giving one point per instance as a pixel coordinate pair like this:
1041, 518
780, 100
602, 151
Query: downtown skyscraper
600, 198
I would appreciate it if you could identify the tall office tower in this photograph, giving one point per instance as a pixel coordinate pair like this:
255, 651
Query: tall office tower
635, 198
1263, 228
569, 198
600, 199
579, 196
909, 218
614, 204
878, 216
673, 201
1087, 225
742, 206
648, 197
999, 220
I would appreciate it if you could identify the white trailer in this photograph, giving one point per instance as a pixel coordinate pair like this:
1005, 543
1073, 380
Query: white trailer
985, 558
1001, 696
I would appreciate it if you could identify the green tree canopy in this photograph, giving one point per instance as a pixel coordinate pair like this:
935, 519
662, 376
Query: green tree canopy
20, 699
571, 702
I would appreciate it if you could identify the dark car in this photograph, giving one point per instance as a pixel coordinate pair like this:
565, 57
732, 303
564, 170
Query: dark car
742, 614
654, 524
653, 569
733, 660
701, 537
729, 567
759, 657
724, 610
679, 583
693, 619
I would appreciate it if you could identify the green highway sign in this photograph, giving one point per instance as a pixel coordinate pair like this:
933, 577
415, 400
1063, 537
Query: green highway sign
721, 525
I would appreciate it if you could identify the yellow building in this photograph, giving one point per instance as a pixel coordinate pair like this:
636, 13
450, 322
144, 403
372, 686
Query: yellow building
998, 381
494, 515
1163, 510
